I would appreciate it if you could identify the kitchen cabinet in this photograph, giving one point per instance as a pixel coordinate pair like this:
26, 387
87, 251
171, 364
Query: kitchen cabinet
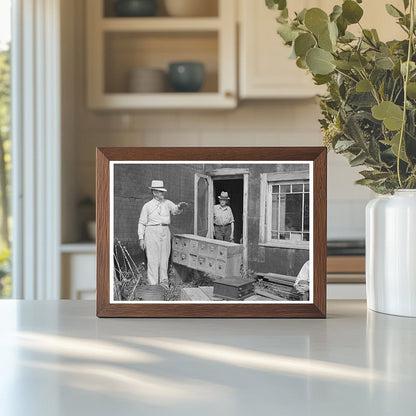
118, 45
78, 263
265, 69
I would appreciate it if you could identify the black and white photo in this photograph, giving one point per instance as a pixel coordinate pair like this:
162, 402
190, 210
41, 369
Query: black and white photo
211, 231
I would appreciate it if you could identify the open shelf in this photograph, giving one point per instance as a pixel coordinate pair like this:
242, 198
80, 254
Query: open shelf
160, 24
210, 10
126, 51
116, 46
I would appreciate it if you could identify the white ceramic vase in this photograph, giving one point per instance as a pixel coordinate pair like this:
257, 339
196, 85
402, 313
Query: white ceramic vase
391, 253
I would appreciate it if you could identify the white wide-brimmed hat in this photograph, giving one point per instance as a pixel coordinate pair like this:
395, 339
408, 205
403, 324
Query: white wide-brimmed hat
224, 195
157, 186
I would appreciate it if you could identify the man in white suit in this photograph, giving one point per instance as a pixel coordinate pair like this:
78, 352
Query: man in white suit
154, 233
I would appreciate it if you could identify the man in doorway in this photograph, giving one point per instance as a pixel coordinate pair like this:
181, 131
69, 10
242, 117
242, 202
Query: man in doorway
223, 219
154, 233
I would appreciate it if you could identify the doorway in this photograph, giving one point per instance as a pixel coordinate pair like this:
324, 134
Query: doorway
234, 187
207, 187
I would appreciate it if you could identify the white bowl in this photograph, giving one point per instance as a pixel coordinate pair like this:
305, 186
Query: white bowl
191, 8
147, 80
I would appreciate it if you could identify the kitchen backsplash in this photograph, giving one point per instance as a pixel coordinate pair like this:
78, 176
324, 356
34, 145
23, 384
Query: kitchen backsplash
287, 123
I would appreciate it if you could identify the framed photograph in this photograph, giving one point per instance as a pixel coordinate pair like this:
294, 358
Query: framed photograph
211, 232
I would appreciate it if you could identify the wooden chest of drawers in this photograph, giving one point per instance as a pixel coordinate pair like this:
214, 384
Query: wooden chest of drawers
217, 257
234, 288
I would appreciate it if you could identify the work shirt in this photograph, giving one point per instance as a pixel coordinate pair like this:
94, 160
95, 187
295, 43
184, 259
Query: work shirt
156, 212
223, 215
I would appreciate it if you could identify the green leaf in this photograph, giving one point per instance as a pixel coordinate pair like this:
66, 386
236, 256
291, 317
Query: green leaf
319, 61
411, 90
393, 11
276, 4
316, 20
325, 42
301, 63
287, 33
406, 4
358, 160
384, 62
343, 145
394, 145
363, 86
301, 15
358, 61
347, 37
303, 43
333, 32
321, 79
374, 174
351, 11
342, 25
391, 114
345, 65
368, 36
375, 35
336, 12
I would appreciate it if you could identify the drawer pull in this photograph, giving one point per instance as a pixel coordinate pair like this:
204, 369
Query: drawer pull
210, 264
221, 253
183, 256
219, 266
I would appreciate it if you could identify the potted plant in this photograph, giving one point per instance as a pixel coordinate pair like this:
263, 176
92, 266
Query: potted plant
368, 116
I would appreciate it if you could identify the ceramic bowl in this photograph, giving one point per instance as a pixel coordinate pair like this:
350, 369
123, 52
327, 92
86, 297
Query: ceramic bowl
186, 76
135, 8
147, 80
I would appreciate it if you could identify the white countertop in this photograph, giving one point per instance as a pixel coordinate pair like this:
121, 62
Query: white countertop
57, 358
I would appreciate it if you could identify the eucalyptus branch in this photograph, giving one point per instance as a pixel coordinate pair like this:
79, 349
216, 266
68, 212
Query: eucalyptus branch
405, 81
346, 75
373, 88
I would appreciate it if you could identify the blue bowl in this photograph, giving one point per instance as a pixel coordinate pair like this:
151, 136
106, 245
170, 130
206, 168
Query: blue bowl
135, 8
186, 76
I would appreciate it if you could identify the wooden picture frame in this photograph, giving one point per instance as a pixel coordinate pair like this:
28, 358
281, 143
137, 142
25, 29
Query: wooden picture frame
315, 157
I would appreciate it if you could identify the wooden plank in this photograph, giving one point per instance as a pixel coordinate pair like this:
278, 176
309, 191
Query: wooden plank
280, 278
346, 264
194, 294
268, 295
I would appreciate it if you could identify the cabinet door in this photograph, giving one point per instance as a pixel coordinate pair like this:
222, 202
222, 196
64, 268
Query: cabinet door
266, 71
